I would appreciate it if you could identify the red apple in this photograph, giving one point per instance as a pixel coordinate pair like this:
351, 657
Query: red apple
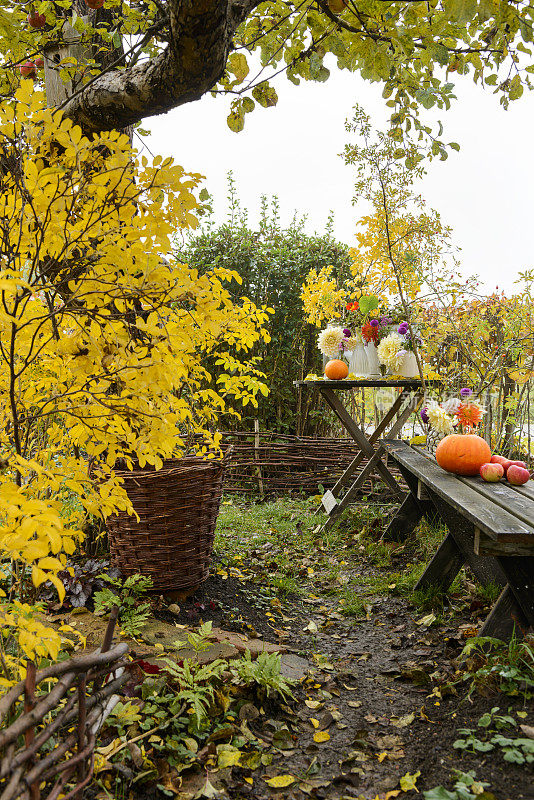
94, 3
39, 62
36, 20
27, 70
491, 472
519, 464
501, 460
517, 475
336, 6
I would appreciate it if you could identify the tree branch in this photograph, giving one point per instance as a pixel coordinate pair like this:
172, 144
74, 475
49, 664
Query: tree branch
201, 33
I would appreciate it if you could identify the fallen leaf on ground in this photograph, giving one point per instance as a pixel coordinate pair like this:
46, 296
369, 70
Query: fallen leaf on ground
427, 621
354, 703
321, 736
403, 722
280, 781
408, 781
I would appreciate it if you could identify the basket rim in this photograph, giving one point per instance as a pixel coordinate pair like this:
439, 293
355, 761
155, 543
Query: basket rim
185, 463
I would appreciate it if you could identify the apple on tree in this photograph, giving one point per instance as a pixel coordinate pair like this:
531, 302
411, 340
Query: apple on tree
28, 69
94, 4
36, 20
39, 62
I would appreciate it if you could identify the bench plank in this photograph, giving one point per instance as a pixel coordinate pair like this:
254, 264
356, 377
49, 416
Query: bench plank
504, 495
527, 490
483, 513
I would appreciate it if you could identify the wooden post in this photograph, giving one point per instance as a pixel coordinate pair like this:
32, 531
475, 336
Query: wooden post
58, 91
257, 454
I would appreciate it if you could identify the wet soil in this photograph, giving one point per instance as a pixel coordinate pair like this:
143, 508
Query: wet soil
373, 683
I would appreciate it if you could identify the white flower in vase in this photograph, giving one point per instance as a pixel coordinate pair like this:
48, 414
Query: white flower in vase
329, 341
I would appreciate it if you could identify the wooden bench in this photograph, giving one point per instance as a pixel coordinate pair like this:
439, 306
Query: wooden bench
491, 529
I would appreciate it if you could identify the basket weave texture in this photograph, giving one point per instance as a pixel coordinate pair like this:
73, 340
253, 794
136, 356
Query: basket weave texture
177, 507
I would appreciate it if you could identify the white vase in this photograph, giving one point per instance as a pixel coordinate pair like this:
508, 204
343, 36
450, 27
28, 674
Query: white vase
409, 368
358, 361
373, 364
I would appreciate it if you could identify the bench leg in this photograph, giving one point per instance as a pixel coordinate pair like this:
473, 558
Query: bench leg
486, 569
520, 575
406, 519
504, 617
444, 567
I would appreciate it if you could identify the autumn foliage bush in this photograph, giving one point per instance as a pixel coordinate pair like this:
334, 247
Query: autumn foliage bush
103, 342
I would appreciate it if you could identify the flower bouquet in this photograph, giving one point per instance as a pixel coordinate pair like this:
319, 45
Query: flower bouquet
396, 351
368, 339
456, 415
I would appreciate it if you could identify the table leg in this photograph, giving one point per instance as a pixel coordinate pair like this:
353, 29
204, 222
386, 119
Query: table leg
486, 569
520, 574
406, 519
355, 463
359, 436
445, 565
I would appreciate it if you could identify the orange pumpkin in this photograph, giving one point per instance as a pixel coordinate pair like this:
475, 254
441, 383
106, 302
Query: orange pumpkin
463, 454
336, 370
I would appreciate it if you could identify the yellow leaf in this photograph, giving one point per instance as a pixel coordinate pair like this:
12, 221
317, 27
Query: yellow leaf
407, 782
321, 736
280, 781
228, 757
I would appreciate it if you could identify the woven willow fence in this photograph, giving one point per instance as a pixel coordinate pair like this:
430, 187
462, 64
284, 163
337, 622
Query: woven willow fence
268, 462
52, 720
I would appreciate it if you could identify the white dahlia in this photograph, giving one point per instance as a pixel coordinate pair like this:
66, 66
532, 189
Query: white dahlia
438, 418
352, 342
329, 341
452, 405
388, 351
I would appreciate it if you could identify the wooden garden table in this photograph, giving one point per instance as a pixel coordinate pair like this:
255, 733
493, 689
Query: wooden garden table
407, 401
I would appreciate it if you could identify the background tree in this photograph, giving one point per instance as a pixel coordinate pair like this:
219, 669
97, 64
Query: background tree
144, 57
272, 262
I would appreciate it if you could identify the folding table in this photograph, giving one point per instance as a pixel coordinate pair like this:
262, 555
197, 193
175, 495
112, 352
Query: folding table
408, 400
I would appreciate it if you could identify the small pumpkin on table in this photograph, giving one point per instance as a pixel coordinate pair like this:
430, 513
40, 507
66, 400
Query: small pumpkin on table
336, 370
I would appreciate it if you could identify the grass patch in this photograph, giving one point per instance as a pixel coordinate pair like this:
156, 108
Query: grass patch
278, 545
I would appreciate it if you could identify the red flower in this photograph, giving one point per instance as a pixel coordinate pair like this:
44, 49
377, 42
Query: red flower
369, 333
353, 306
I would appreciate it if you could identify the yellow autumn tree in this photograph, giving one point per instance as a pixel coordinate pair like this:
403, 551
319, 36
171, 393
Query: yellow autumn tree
103, 341
400, 242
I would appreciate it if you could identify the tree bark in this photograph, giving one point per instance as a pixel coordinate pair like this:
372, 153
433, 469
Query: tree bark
200, 35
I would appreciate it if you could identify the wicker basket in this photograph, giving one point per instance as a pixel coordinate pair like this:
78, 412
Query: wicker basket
177, 507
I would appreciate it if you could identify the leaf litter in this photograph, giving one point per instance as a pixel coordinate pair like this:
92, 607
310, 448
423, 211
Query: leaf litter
368, 719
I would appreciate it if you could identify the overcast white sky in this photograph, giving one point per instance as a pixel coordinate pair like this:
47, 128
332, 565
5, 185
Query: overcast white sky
485, 192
